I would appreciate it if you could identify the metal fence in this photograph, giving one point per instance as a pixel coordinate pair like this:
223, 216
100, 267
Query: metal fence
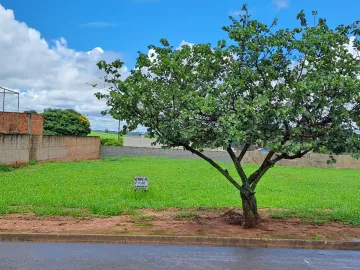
10, 100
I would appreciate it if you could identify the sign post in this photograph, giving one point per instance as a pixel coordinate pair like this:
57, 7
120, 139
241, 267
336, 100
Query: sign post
141, 183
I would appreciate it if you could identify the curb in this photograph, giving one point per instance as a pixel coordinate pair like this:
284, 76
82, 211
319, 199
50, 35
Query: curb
179, 240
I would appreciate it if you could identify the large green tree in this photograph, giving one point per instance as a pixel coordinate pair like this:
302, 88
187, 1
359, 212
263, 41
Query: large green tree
65, 122
291, 90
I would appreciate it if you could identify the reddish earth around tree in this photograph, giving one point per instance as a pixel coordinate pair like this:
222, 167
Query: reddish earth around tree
221, 222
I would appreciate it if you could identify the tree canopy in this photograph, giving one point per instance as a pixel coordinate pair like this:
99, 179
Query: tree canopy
31, 112
293, 91
65, 122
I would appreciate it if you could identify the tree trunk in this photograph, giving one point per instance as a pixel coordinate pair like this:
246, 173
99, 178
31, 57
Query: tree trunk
252, 218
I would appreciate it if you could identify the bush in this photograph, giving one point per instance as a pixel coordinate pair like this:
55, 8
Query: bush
33, 161
6, 168
111, 142
65, 122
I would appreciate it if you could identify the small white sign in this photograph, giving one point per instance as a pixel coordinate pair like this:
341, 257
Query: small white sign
141, 183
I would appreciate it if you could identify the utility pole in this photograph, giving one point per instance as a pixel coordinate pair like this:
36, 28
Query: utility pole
119, 126
4, 101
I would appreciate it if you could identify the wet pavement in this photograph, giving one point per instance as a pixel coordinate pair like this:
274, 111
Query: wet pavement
99, 256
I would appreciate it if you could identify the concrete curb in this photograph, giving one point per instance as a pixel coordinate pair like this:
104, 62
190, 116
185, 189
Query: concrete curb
179, 240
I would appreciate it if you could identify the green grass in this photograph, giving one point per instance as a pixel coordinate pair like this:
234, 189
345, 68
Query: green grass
108, 139
142, 224
144, 218
320, 216
104, 135
105, 187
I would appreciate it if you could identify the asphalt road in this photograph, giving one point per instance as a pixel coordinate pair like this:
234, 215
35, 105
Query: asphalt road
90, 256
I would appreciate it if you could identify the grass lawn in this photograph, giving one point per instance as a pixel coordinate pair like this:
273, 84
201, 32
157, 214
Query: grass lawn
105, 187
104, 135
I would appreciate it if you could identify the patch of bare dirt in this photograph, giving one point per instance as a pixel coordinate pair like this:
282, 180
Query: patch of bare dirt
222, 222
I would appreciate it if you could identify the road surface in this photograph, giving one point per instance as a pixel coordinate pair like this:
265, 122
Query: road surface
98, 256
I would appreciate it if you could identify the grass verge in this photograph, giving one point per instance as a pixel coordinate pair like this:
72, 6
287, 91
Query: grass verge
105, 188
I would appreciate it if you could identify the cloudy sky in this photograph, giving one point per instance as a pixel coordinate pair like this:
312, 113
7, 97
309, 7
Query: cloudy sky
49, 49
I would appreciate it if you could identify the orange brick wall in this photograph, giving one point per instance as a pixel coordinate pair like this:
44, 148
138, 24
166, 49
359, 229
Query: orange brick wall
37, 124
11, 122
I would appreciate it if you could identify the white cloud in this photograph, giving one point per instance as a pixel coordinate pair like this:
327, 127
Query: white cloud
152, 54
351, 47
280, 4
50, 74
183, 43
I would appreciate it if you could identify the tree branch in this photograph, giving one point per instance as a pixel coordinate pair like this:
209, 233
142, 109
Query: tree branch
237, 164
287, 132
213, 163
243, 152
290, 157
268, 162
265, 166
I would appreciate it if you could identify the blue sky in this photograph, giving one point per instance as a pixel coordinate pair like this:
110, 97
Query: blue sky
128, 26
49, 48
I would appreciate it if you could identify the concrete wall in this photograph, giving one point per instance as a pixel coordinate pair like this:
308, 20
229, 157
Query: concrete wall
14, 149
141, 141
310, 160
17, 149
22, 123
66, 148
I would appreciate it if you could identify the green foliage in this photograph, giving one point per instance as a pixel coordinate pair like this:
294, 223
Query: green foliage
315, 237
31, 111
293, 91
112, 142
50, 189
109, 139
33, 161
287, 88
65, 122
6, 168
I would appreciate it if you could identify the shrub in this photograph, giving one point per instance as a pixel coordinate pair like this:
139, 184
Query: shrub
65, 122
111, 142
33, 161
6, 168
